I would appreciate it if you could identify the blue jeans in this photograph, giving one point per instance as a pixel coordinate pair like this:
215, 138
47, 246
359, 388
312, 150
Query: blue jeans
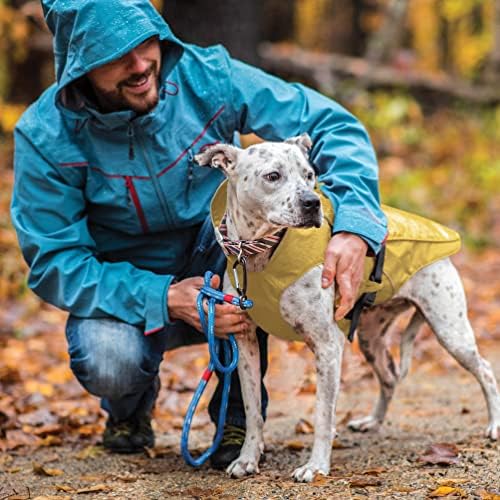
118, 363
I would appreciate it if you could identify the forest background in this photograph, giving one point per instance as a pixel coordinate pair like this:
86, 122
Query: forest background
422, 75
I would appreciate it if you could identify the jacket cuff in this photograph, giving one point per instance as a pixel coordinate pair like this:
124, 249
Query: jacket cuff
351, 221
157, 317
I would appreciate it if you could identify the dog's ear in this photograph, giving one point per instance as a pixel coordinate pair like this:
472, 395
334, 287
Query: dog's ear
303, 141
223, 156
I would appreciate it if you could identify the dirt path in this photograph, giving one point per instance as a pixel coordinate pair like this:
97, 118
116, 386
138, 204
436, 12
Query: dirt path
436, 403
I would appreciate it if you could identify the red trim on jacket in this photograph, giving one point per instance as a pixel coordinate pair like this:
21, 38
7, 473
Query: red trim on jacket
137, 203
166, 169
154, 330
74, 164
200, 135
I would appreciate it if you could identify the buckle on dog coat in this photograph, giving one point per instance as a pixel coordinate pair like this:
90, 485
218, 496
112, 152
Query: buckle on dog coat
366, 299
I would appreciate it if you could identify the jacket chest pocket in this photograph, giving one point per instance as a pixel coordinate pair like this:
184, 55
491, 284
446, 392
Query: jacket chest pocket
114, 202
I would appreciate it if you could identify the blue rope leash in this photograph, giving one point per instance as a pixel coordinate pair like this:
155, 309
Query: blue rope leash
230, 350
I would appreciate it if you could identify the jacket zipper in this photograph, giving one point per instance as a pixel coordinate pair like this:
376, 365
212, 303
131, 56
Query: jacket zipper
154, 179
137, 203
130, 135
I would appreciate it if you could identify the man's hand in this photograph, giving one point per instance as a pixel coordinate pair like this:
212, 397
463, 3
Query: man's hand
182, 305
344, 263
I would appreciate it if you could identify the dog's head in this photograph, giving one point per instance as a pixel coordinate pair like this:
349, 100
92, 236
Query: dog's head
273, 181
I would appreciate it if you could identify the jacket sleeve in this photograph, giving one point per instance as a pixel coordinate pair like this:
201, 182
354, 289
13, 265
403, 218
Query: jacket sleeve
49, 214
342, 152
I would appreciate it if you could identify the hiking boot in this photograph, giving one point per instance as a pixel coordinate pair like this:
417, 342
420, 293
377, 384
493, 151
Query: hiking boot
229, 448
129, 436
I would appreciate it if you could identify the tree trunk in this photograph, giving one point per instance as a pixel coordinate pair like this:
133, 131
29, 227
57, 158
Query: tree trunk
233, 23
492, 70
387, 39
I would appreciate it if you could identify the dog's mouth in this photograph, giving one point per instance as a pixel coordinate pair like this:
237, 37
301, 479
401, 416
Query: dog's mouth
311, 222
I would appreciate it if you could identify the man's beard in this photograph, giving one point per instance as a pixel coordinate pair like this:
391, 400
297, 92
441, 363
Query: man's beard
120, 100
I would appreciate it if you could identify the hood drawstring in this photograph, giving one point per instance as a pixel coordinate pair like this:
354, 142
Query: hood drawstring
79, 124
130, 135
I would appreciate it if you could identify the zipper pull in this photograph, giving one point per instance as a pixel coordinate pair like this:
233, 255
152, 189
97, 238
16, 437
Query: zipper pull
130, 135
190, 157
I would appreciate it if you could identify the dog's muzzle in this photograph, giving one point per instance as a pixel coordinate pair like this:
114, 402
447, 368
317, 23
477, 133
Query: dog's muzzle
310, 205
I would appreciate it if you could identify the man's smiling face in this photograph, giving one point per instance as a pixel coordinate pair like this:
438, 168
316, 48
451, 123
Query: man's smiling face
130, 82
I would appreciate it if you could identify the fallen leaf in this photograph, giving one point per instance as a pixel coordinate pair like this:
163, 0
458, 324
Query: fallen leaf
295, 445
488, 495
40, 470
51, 497
444, 491
33, 387
50, 441
65, 488
41, 416
158, 452
94, 489
375, 471
126, 478
440, 454
89, 452
15, 438
304, 427
94, 477
339, 445
13, 470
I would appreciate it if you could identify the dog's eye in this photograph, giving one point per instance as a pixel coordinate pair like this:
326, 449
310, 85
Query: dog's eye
272, 177
310, 176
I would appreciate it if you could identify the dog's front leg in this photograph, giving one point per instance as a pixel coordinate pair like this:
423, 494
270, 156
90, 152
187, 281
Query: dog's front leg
328, 363
249, 373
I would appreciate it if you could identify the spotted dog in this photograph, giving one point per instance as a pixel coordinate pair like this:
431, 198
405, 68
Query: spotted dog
271, 187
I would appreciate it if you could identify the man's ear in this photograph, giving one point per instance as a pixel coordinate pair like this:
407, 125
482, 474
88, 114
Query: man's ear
303, 141
223, 156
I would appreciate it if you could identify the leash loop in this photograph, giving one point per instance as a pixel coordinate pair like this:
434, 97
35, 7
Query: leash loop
229, 347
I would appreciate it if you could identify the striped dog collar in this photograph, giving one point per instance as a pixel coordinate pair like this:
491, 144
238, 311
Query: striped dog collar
247, 247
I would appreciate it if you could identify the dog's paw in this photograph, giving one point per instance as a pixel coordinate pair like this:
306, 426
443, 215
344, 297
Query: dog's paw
242, 467
493, 431
307, 472
364, 424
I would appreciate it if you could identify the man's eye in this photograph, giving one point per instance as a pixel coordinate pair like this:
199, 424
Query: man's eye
272, 177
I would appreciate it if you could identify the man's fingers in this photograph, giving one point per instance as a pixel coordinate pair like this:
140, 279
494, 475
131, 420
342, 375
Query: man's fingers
346, 292
215, 281
329, 268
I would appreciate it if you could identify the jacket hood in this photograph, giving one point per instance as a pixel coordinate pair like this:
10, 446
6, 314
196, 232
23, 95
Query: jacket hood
90, 33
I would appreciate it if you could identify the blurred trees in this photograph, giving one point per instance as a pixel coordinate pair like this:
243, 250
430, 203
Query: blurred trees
461, 38
232, 23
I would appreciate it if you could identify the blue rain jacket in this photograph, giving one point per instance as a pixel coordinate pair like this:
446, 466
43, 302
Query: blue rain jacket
107, 206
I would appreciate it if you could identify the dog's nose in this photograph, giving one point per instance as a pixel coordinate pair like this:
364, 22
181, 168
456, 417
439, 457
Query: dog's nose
310, 202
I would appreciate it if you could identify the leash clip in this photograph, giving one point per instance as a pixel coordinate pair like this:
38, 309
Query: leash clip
241, 260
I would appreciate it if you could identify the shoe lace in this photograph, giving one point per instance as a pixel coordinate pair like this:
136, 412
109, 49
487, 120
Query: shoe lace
233, 435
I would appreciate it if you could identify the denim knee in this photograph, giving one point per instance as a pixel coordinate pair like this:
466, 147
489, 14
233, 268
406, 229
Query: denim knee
110, 358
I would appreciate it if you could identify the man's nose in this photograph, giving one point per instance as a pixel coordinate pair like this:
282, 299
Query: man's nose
136, 63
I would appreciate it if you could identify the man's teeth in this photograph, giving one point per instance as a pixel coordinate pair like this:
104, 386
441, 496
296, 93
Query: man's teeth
138, 83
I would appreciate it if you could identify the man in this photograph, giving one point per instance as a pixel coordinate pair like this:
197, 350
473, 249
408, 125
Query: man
111, 213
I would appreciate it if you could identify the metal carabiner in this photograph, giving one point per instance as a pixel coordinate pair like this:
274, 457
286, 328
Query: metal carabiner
242, 291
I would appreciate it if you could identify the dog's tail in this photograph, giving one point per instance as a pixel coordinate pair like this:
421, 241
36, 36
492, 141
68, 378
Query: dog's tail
407, 340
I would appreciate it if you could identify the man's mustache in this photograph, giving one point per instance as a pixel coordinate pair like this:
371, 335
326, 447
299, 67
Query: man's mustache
136, 77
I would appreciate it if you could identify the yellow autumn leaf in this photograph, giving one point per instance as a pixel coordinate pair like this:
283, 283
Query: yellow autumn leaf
444, 491
33, 387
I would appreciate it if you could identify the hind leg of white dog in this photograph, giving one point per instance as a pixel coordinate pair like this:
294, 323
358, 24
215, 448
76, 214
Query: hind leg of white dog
438, 292
371, 333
